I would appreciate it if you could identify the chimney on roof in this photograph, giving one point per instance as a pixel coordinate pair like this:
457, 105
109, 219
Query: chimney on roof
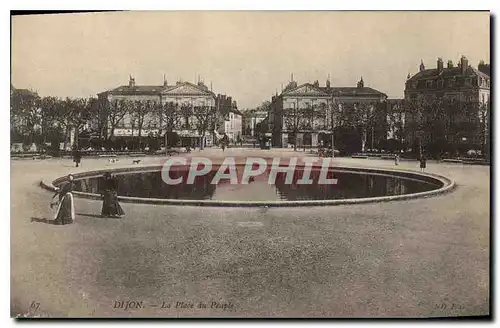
165, 83
328, 82
439, 65
464, 64
131, 82
450, 64
361, 84
422, 66
316, 83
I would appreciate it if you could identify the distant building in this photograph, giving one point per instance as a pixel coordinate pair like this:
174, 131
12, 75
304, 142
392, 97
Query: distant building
233, 125
181, 93
462, 84
314, 104
229, 118
396, 120
252, 120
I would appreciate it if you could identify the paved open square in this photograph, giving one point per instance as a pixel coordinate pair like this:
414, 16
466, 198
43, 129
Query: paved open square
417, 258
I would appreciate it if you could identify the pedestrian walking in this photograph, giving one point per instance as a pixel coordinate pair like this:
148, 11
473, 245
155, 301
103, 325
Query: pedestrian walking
423, 163
65, 205
77, 156
110, 205
396, 159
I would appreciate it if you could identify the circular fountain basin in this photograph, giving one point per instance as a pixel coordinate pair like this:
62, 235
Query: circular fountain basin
353, 185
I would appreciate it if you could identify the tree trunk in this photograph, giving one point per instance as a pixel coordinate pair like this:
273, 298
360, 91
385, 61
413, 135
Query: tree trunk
66, 137
363, 139
333, 147
139, 134
166, 143
202, 143
76, 136
373, 137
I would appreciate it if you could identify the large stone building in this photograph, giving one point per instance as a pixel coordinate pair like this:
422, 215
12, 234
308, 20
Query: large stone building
229, 118
305, 115
462, 86
252, 120
233, 125
180, 93
462, 82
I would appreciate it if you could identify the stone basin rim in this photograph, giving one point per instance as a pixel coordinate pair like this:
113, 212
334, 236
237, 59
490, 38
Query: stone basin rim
447, 186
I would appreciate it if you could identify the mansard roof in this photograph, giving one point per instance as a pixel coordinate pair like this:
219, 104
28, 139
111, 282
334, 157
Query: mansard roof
350, 91
308, 89
180, 88
137, 90
187, 89
446, 73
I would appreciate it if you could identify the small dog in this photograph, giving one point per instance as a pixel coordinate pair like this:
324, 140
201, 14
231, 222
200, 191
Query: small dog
136, 161
113, 160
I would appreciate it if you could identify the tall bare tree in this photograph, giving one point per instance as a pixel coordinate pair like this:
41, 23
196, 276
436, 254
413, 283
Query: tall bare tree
24, 110
331, 120
294, 118
50, 114
116, 112
186, 113
170, 117
205, 119
139, 110
79, 112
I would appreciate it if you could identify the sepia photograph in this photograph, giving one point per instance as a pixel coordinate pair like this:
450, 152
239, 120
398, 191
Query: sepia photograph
250, 164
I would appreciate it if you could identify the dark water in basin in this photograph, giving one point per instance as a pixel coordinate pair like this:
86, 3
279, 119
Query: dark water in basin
349, 185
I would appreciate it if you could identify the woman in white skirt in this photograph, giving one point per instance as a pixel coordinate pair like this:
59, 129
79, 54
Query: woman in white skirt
66, 207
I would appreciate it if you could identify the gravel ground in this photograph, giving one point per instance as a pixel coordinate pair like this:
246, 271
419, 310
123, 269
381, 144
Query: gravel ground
418, 258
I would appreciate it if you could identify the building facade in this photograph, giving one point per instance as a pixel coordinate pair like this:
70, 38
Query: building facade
454, 96
233, 125
308, 114
252, 120
229, 118
462, 82
180, 94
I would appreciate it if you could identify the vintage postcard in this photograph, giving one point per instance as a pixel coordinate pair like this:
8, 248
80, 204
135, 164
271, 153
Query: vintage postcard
250, 164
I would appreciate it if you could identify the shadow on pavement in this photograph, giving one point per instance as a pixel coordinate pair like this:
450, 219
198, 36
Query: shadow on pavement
97, 216
43, 220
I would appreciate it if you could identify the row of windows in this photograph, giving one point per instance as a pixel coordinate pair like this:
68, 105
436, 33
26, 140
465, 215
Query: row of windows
466, 98
454, 82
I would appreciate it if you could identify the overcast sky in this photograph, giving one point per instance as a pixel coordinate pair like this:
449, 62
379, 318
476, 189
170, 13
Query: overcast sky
247, 55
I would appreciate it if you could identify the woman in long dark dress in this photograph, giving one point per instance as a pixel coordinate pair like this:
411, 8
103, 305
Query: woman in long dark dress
110, 205
66, 210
